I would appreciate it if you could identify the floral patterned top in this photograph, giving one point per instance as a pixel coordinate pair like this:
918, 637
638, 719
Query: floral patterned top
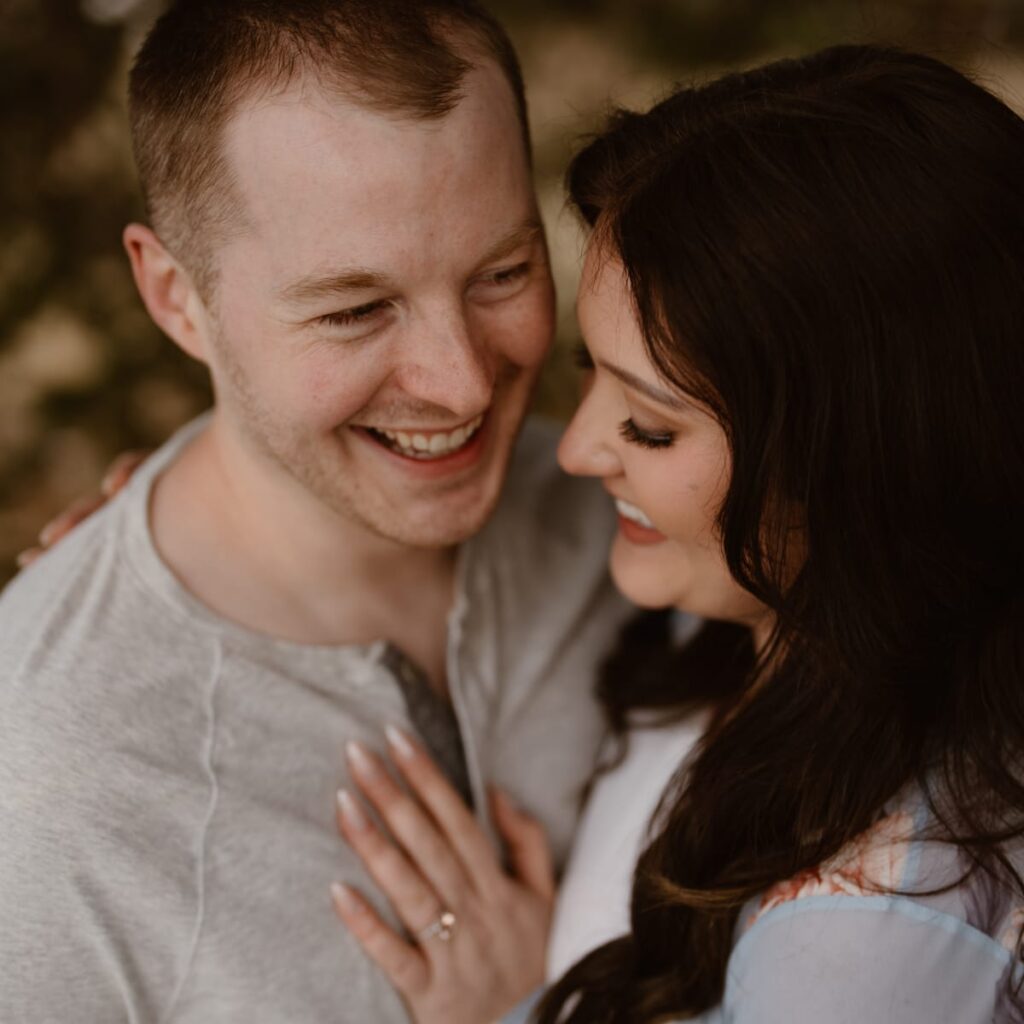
835, 945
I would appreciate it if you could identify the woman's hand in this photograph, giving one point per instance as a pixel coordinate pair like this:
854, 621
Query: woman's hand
478, 932
119, 473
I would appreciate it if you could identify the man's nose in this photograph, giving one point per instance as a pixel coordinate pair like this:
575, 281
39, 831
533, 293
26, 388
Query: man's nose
446, 366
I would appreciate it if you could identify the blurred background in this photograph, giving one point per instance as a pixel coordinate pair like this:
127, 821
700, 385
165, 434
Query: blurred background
83, 372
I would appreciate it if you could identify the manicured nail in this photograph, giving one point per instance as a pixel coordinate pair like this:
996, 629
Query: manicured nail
48, 534
400, 743
359, 758
345, 899
351, 811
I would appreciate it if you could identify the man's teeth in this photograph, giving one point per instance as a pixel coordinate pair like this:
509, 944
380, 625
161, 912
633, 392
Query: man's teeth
632, 513
420, 446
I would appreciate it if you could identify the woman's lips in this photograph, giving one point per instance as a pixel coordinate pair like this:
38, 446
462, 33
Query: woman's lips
635, 526
637, 534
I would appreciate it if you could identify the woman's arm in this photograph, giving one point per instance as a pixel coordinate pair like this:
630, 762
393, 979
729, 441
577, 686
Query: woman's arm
119, 473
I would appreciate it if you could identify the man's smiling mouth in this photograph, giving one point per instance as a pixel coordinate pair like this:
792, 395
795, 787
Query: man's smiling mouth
426, 445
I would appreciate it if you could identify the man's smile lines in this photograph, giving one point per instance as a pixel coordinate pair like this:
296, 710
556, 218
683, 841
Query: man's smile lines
426, 446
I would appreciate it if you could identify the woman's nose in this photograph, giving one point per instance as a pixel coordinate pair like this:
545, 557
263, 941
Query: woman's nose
585, 448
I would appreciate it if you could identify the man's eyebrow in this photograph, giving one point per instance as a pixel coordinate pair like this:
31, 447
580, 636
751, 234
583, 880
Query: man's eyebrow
325, 286
657, 394
525, 234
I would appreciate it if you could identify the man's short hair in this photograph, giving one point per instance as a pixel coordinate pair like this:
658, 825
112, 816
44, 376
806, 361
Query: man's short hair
204, 57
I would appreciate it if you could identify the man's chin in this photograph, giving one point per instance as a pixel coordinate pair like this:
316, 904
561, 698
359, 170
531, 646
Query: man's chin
444, 518
447, 528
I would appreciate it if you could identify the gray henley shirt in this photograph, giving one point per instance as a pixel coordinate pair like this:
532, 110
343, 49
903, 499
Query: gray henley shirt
167, 778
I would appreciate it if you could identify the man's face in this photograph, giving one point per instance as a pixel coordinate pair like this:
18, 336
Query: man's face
379, 324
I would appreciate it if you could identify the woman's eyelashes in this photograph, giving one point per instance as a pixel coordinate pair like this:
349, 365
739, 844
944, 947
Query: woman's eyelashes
630, 432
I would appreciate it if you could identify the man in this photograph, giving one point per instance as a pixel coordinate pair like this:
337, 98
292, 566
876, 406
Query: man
344, 230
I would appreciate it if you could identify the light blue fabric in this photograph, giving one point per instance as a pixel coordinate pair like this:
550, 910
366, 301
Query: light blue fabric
862, 960
522, 1013
892, 930
911, 956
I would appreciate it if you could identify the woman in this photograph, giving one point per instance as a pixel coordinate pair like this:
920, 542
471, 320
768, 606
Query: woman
802, 301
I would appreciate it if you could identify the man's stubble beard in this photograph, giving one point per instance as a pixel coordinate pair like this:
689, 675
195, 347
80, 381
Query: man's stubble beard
303, 458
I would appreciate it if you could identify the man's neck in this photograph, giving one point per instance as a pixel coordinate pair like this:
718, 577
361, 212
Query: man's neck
257, 549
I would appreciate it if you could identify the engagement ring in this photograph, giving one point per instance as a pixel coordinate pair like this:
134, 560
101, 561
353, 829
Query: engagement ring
443, 928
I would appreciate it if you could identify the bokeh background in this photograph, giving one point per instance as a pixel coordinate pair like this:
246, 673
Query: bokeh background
83, 372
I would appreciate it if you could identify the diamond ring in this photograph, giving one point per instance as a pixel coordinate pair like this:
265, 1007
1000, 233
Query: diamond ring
443, 928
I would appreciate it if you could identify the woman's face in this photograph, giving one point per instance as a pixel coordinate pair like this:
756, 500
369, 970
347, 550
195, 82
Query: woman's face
662, 457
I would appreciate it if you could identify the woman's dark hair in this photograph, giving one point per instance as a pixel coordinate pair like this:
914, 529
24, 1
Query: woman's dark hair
828, 253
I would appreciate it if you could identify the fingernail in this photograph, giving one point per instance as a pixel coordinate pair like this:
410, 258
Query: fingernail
48, 534
360, 759
25, 558
351, 811
345, 898
399, 742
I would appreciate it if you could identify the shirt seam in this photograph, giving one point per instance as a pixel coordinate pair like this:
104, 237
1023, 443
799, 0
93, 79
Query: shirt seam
209, 756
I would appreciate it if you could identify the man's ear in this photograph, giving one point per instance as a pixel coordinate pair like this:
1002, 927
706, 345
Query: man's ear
167, 290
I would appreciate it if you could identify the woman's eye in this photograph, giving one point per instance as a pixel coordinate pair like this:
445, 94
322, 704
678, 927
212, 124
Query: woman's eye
634, 435
355, 315
582, 358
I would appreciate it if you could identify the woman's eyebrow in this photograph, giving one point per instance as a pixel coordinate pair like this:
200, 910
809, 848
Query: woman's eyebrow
649, 390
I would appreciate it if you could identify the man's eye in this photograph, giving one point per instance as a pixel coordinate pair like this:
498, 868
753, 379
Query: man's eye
508, 275
355, 315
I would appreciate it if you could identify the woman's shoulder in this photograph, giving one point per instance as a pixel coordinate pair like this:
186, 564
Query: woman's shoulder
895, 921
903, 856
865, 958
